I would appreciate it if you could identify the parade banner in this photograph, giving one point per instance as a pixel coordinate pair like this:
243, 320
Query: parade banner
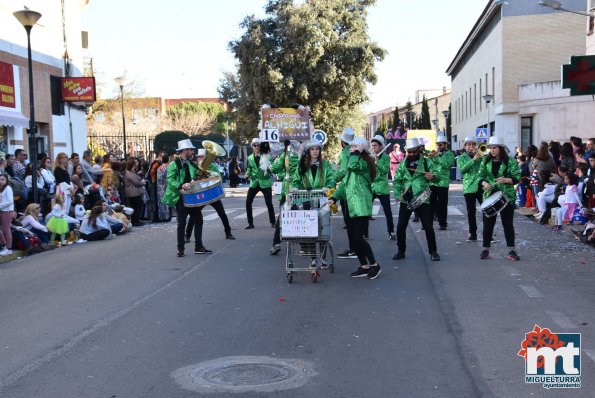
280, 124
78, 89
429, 137
7, 85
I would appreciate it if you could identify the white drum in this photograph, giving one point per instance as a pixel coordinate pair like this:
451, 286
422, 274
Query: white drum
494, 204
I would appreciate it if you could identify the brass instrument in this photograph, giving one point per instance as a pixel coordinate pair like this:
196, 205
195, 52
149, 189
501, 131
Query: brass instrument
213, 150
483, 149
430, 155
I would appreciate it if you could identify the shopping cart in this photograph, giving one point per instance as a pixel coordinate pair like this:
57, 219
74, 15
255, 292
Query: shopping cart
306, 229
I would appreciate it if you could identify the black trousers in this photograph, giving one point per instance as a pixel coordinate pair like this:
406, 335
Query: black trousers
388, 212
346, 218
196, 214
136, 203
424, 212
96, 235
268, 199
358, 226
507, 217
439, 204
470, 199
277, 235
218, 206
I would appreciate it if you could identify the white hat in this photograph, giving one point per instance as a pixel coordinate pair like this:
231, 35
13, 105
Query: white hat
496, 141
255, 141
379, 139
184, 144
201, 152
348, 135
313, 143
360, 141
441, 140
469, 139
420, 141
412, 143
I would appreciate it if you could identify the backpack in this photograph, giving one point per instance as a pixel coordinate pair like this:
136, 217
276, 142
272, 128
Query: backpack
18, 187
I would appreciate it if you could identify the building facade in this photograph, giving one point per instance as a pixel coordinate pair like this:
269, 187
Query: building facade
513, 48
57, 51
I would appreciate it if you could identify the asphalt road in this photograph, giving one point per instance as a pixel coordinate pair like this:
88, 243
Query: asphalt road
120, 318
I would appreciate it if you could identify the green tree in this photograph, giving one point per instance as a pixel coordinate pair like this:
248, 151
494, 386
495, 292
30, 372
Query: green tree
313, 52
196, 117
382, 126
168, 141
396, 119
424, 117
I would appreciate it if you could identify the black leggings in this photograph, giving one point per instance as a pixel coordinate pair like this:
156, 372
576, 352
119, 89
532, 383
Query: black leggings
97, 235
507, 216
268, 199
358, 226
470, 199
439, 203
425, 214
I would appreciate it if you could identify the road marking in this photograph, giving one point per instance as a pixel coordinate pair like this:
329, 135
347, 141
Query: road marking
254, 213
531, 291
214, 215
561, 320
590, 353
453, 211
511, 270
375, 210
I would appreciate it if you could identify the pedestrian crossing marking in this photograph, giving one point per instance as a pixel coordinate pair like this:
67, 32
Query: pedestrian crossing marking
255, 213
214, 215
453, 211
375, 209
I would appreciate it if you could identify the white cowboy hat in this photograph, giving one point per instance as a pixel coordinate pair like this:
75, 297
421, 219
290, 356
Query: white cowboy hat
420, 141
348, 135
255, 141
312, 144
441, 140
412, 143
201, 152
496, 141
360, 141
469, 139
185, 144
379, 139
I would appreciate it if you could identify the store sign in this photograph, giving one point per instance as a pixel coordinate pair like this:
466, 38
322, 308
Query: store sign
7, 97
78, 89
286, 124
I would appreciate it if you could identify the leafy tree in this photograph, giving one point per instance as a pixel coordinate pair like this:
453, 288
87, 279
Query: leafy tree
168, 141
313, 52
195, 117
424, 118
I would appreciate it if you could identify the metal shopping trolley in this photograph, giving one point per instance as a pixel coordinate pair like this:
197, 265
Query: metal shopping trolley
306, 229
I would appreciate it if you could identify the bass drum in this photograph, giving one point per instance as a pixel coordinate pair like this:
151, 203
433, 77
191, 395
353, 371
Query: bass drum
203, 192
419, 199
494, 204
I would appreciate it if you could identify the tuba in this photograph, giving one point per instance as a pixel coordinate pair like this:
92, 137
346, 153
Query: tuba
483, 149
213, 150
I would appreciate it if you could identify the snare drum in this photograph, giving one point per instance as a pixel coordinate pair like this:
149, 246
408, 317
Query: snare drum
494, 204
203, 192
419, 199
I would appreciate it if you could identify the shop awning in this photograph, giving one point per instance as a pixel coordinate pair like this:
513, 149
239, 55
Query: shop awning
13, 118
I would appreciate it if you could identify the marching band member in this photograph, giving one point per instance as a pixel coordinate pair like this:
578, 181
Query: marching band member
346, 137
423, 152
260, 181
501, 172
179, 175
284, 167
217, 205
313, 172
469, 163
443, 161
380, 188
412, 178
356, 189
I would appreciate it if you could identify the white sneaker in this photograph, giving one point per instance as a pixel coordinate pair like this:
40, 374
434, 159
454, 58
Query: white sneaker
538, 215
5, 252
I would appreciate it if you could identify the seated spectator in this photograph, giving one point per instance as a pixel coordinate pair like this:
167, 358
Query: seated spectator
119, 214
591, 182
77, 179
30, 221
116, 226
568, 202
41, 191
95, 226
79, 207
25, 240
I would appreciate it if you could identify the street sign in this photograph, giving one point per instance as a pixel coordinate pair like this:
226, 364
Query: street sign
481, 134
228, 145
579, 75
319, 136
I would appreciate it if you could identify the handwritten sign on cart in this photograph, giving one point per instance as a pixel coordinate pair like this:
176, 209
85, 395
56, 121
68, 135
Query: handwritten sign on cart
299, 223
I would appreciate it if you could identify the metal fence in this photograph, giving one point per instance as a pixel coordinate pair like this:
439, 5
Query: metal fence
140, 146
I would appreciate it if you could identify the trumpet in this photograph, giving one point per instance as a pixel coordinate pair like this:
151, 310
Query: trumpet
430, 155
483, 149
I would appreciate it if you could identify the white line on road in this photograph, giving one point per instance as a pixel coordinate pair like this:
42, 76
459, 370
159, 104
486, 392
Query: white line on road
375, 209
531, 291
453, 211
561, 320
214, 215
254, 213
511, 270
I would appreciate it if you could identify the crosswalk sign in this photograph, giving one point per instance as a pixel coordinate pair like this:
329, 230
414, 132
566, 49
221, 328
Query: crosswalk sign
481, 133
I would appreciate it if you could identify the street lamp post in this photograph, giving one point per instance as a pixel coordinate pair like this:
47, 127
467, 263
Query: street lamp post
446, 114
28, 19
556, 5
488, 98
120, 82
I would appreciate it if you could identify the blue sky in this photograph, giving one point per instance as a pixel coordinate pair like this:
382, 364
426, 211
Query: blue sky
178, 48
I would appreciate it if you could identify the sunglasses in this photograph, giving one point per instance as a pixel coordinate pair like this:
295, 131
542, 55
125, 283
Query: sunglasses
411, 152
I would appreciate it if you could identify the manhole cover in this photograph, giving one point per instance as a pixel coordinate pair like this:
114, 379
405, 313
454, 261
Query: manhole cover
245, 374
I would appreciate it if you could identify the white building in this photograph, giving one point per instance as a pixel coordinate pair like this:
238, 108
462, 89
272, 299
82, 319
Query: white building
61, 128
514, 52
